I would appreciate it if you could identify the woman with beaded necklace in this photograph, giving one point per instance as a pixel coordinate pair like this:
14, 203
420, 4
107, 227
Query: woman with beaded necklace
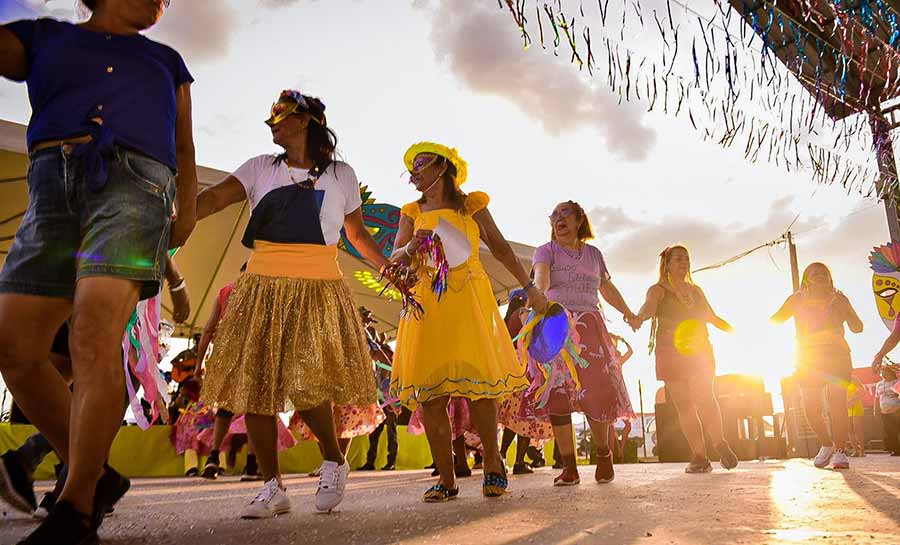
684, 356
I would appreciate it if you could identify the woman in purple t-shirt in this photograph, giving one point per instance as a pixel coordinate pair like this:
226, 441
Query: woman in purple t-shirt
571, 273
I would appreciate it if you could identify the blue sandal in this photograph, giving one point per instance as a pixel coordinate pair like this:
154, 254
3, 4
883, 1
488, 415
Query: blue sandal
494, 485
439, 494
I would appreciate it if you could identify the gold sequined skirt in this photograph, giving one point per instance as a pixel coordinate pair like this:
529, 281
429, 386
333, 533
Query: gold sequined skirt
289, 344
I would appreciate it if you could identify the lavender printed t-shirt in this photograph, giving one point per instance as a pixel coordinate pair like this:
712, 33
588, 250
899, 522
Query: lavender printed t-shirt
574, 278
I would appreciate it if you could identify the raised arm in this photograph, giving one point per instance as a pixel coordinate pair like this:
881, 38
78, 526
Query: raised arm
714, 318
889, 344
13, 58
186, 196
362, 239
220, 196
786, 311
850, 315
402, 238
503, 252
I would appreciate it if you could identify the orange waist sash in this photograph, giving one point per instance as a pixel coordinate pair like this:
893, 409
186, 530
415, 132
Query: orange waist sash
311, 261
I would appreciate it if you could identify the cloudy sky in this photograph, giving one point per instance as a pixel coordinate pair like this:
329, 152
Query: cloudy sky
535, 131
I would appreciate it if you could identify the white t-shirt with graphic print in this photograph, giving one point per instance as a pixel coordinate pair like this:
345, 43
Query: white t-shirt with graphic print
260, 175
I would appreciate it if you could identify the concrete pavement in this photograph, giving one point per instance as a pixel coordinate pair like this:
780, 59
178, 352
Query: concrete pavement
771, 502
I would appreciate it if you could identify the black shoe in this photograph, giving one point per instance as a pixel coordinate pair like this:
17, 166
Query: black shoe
212, 470
432, 466
388, 467
522, 469
110, 489
463, 471
558, 465
16, 485
434, 472
192, 472
368, 466
895, 453
64, 526
540, 462
48, 502
251, 470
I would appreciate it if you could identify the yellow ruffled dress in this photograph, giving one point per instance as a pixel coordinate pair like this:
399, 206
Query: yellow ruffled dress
461, 346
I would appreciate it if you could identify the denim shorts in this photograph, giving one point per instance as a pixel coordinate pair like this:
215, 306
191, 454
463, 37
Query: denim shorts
71, 232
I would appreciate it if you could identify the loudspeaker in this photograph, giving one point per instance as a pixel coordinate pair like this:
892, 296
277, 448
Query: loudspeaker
670, 442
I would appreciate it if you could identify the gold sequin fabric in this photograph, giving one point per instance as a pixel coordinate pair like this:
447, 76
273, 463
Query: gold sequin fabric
289, 344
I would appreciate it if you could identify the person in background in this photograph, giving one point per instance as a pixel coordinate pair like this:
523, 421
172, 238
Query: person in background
524, 431
887, 404
824, 366
856, 415
382, 356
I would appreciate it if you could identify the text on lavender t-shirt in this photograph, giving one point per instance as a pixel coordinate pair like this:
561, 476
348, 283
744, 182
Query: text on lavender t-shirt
574, 279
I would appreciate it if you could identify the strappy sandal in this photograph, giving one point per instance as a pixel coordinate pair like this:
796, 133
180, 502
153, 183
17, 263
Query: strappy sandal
439, 494
494, 485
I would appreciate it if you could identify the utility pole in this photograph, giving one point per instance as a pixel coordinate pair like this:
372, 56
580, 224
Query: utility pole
795, 270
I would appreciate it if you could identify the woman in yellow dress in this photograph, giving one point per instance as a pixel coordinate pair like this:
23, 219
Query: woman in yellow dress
460, 347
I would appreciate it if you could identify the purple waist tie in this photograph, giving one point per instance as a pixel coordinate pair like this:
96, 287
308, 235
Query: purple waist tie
94, 154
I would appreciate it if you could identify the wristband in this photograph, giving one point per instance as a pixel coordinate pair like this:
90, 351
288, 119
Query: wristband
179, 286
529, 285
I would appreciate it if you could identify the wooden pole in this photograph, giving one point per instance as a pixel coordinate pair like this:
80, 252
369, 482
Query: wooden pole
795, 270
887, 166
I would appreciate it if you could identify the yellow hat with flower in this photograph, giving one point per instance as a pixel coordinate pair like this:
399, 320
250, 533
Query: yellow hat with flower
450, 154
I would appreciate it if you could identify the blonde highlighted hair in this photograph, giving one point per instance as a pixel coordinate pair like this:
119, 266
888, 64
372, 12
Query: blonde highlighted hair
665, 256
585, 230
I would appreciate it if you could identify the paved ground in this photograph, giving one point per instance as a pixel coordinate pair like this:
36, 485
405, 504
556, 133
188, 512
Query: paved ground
770, 502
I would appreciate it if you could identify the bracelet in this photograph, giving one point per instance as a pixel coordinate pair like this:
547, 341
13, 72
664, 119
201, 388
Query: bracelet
529, 285
179, 286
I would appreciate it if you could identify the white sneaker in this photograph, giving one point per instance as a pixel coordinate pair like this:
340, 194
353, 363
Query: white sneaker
823, 458
840, 460
331, 485
270, 501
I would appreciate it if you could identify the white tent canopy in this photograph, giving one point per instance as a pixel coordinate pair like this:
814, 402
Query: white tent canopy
214, 254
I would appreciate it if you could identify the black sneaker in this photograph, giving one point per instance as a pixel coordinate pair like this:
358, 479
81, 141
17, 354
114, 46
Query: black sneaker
389, 467
251, 470
368, 466
64, 526
48, 502
212, 470
522, 469
110, 489
16, 485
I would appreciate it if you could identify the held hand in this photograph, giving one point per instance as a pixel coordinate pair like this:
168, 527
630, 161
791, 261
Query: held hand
877, 361
634, 322
536, 300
